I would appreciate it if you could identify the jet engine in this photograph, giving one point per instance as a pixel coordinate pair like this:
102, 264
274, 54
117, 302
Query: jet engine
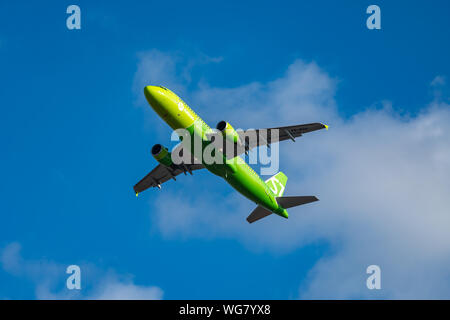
162, 155
228, 132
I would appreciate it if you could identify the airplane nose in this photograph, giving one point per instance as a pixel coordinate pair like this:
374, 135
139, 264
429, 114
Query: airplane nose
151, 93
159, 99
156, 97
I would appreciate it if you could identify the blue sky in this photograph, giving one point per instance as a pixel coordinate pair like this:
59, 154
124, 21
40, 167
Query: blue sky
76, 136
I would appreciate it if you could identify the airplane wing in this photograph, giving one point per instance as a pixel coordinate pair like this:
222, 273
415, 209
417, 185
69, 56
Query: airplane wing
261, 137
161, 174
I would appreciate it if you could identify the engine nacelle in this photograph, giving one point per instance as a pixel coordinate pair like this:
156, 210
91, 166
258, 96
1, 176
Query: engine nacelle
228, 132
162, 155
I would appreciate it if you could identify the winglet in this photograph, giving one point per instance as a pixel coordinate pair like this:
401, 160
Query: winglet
137, 193
326, 127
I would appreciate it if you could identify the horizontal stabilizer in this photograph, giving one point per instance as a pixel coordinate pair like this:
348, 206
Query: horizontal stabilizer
257, 214
289, 202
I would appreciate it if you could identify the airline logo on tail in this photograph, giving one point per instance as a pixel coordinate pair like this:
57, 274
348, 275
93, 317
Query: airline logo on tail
277, 184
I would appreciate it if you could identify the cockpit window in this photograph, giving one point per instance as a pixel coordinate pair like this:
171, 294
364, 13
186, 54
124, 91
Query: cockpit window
163, 87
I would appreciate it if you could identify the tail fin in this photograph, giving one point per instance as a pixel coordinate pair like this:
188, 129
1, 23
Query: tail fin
289, 202
277, 184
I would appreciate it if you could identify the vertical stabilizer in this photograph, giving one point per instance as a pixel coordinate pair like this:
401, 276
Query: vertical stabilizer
277, 184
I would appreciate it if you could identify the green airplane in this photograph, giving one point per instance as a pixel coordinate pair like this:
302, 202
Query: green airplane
224, 144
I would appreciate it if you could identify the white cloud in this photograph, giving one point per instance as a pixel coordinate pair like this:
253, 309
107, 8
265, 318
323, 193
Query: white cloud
304, 93
113, 289
383, 180
170, 70
50, 277
439, 88
156, 68
438, 81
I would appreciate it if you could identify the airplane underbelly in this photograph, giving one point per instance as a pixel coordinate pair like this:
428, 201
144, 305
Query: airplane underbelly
252, 188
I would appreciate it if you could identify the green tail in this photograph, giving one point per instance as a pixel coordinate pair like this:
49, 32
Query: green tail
277, 184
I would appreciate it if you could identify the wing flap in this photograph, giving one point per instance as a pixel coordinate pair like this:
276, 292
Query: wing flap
161, 174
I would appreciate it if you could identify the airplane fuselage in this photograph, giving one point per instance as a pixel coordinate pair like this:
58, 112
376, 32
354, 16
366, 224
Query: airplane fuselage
177, 114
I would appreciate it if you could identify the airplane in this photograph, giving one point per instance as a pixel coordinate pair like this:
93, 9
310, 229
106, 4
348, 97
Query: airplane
268, 195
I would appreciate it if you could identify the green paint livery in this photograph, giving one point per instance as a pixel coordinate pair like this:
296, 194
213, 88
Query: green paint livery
268, 195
